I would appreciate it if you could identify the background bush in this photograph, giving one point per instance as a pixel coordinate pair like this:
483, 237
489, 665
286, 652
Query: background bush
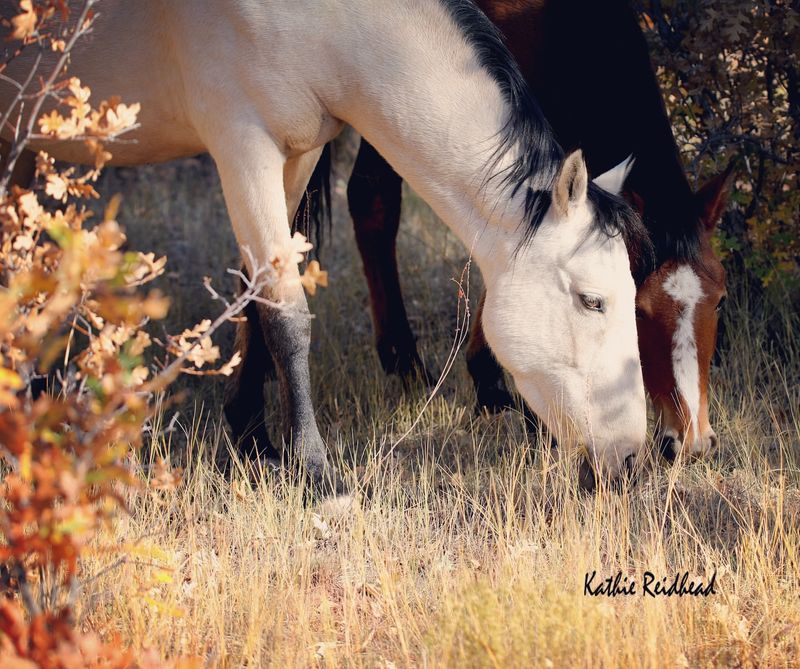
730, 74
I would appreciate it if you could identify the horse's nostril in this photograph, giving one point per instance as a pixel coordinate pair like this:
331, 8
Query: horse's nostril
629, 469
713, 442
668, 448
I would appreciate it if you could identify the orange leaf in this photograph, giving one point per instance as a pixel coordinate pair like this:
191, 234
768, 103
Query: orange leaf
24, 24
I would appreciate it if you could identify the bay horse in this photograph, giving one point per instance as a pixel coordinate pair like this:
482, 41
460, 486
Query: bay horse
264, 86
610, 107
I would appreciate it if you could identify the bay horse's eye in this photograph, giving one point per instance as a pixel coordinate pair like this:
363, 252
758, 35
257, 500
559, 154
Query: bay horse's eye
594, 302
721, 302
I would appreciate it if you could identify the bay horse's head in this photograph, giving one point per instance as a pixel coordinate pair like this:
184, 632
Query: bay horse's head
559, 315
677, 311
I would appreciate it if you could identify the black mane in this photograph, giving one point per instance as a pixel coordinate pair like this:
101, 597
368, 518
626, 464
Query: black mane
674, 228
538, 154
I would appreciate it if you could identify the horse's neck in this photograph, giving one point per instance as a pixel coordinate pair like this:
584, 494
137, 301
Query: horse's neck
658, 176
613, 106
417, 92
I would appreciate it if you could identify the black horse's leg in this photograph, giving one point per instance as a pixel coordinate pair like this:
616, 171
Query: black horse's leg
374, 195
244, 393
487, 375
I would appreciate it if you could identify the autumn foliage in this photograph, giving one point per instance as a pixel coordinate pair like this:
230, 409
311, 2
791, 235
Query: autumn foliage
730, 74
78, 368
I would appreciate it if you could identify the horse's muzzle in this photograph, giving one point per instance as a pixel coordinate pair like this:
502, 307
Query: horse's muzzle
627, 475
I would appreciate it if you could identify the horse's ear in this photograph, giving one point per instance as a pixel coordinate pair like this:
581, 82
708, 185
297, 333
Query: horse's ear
613, 180
712, 198
571, 183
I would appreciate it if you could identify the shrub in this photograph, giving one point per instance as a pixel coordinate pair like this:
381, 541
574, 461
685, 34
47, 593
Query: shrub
71, 295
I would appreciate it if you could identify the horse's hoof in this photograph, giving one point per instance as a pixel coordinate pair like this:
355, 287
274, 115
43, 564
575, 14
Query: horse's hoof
324, 483
495, 400
255, 448
417, 376
336, 508
402, 359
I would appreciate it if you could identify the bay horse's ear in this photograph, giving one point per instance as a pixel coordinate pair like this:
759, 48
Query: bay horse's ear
712, 198
613, 180
571, 183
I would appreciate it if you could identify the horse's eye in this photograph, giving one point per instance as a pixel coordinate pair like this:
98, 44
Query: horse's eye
721, 302
593, 301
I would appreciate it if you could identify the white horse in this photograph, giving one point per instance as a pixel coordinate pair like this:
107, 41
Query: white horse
263, 85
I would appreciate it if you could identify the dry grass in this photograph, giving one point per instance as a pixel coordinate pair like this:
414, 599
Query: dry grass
472, 548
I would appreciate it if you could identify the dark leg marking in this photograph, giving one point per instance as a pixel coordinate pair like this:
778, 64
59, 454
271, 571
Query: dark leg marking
287, 333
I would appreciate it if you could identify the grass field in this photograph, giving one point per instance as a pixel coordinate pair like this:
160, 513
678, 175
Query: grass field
473, 547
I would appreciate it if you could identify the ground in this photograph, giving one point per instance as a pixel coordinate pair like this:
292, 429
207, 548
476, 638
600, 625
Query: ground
472, 547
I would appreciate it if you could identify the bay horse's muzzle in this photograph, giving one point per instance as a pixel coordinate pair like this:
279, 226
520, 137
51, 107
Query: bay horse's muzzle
669, 446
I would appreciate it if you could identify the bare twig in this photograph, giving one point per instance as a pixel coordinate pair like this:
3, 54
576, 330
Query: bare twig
460, 336
21, 141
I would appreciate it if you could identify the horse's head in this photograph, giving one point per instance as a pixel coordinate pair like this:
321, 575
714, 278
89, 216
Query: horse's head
677, 312
559, 316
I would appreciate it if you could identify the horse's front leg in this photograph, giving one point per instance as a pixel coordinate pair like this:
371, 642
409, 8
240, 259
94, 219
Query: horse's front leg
374, 195
251, 168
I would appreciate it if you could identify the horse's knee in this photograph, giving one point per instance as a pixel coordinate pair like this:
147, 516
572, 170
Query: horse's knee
286, 332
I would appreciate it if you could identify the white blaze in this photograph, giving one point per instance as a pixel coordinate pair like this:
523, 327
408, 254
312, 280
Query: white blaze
684, 287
